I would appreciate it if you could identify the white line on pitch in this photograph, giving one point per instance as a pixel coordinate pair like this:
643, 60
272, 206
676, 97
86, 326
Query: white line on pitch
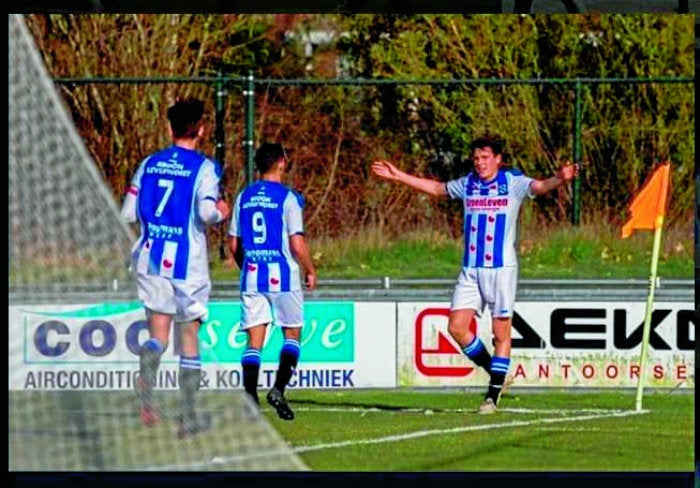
454, 410
223, 460
456, 430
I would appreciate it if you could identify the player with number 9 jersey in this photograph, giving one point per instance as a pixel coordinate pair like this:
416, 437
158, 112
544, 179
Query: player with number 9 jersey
266, 213
266, 240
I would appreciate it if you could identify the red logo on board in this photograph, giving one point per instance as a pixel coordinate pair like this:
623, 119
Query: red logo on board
445, 345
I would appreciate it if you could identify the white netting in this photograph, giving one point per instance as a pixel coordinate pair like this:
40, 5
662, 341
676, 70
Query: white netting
65, 235
74, 316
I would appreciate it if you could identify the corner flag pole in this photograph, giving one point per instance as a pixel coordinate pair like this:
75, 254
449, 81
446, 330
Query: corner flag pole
648, 209
649, 310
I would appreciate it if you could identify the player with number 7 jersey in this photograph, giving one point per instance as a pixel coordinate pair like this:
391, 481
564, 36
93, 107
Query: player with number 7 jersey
170, 183
174, 195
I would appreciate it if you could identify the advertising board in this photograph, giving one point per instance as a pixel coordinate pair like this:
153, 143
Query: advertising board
578, 344
53, 347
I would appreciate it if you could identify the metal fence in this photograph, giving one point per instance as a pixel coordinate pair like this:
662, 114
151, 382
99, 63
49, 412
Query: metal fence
394, 289
248, 86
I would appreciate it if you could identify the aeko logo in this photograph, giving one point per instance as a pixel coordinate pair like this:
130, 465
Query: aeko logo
446, 346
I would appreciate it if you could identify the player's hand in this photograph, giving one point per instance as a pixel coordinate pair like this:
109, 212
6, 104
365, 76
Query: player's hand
224, 209
386, 170
568, 171
310, 282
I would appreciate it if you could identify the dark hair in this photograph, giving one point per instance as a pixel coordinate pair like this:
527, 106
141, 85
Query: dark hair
268, 154
185, 116
492, 142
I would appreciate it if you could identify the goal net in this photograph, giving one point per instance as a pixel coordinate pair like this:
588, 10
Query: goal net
75, 323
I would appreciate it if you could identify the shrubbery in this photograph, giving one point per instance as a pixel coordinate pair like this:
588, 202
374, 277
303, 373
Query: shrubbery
336, 131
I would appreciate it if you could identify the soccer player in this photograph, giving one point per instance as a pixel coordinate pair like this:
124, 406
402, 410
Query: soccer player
492, 195
174, 195
266, 239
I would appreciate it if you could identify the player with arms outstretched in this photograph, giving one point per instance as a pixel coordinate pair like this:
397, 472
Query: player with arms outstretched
492, 195
266, 239
174, 195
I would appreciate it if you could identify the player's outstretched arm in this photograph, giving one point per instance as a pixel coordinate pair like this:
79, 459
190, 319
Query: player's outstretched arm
297, 243
565, 173
387, 171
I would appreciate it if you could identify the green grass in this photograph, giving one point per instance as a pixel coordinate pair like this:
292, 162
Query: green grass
592, 250
365, 430
545, 440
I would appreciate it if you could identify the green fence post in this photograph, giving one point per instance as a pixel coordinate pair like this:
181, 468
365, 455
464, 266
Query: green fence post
576, 213
219, 132
220, 149
249, 95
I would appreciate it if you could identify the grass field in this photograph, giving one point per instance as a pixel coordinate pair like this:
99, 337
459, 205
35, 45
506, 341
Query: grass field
592, 250
440, 431
365, 431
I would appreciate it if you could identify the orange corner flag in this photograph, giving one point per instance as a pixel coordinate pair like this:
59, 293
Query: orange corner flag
649, 206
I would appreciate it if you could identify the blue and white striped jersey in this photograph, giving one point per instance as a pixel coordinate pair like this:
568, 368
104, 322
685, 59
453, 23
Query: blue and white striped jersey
491, 216
266, 213
169, 186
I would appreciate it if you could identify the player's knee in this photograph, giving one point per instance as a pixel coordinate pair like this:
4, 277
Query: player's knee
457, 331
501, 339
